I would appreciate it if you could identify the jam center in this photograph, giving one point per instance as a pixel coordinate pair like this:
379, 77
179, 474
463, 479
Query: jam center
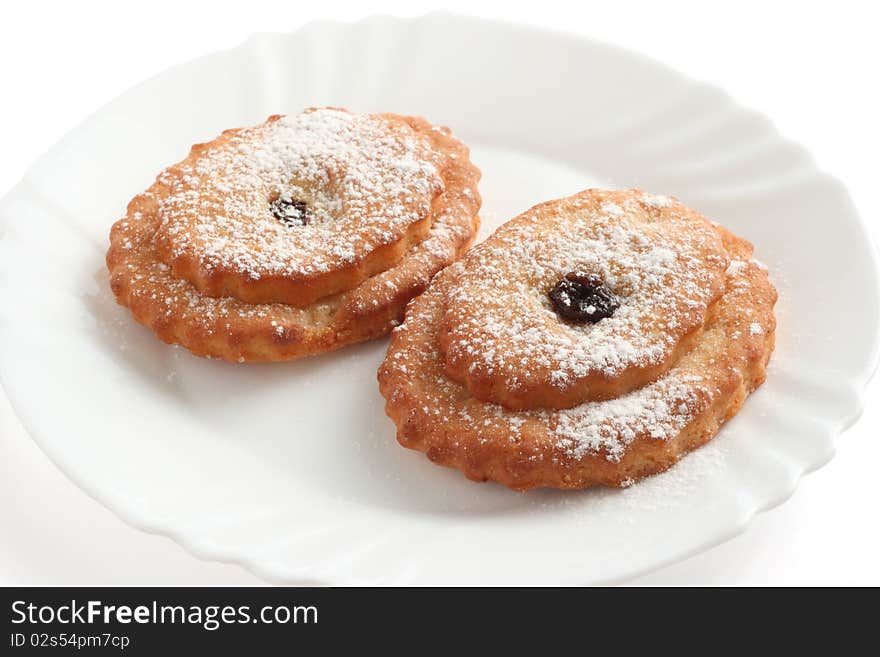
581, 297
290, 212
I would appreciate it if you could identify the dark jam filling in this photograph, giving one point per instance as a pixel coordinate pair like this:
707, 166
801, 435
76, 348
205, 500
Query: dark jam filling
291, 212
581, 298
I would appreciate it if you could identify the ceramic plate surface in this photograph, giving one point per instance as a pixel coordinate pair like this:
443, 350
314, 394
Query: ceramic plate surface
292, 469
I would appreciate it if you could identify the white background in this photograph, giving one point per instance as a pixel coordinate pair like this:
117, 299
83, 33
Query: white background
810, 67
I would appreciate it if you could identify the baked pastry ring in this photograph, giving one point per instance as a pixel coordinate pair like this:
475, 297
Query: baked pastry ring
592, 340
296, 236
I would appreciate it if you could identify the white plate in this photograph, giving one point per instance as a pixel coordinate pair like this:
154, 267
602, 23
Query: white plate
292, 470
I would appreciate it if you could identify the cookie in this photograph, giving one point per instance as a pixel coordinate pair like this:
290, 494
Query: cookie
592, 340
296, 236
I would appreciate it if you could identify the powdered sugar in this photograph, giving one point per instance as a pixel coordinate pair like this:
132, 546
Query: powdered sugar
364, 179
737, 267
657, 201
659, 410
612, 209
665, 274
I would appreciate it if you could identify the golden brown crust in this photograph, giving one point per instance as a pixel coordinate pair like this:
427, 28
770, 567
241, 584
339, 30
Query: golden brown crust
611, 443
235, 330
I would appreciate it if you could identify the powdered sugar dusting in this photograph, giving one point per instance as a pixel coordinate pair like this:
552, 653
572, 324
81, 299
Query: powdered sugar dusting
657, 201
737, 267
665, 273
364, 179
659, 410
612, 209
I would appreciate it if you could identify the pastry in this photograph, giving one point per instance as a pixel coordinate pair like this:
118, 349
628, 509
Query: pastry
296, 236
592, 340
